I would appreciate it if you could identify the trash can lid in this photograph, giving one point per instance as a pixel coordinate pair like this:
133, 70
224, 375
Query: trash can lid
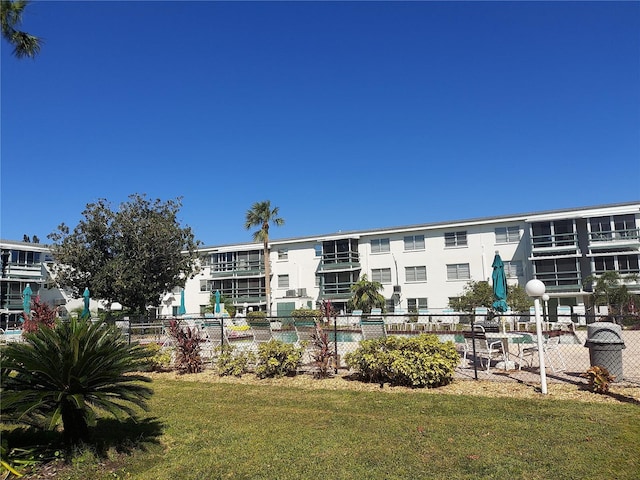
603, 333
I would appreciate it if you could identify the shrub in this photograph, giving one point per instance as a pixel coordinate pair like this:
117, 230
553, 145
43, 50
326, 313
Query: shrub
157, 358
256, 315
599, 379
277, 359
421, 361
188, 359
322, 352
41, 314
306, 314
69, 372
231, 363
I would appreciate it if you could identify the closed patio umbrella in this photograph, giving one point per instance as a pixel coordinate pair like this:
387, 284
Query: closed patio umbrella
499, 285
86, 300
26, 300
217, 308
182, 309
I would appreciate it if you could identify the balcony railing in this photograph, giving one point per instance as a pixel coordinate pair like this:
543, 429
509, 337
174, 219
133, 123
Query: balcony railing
340, 261
558, 240
234, 269
632, 235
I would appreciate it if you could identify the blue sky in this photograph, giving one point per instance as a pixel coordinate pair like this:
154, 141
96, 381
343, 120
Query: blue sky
345, 115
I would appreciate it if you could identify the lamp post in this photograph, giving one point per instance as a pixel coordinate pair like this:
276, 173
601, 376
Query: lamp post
535, 288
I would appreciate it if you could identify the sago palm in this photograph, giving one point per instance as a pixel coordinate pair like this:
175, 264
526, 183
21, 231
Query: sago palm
262, 215
67, 373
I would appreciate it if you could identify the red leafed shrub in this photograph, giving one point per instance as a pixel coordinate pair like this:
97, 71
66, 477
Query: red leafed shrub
188, 341
41, 314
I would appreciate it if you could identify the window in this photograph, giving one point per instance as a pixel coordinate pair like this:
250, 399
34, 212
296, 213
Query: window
625, 226
560, 272
513, 269
455, 239
415, 304
601, 228
508, 234
283, 281
382, 275
628, 263
625, 264
379, 245
458, 271
283, 254
414, 242
318, 249
415, 274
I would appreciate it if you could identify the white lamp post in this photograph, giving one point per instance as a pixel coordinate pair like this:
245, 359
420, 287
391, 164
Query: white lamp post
535, 288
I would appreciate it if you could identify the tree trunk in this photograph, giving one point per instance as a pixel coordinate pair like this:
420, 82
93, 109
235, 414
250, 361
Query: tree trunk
267, 274
74, 423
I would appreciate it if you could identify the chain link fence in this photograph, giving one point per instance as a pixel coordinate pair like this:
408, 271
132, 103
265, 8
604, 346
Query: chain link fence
567, 352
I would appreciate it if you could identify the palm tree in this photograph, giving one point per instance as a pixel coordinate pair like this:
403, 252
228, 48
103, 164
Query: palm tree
366, 295
67, 373
262, 215
24, 44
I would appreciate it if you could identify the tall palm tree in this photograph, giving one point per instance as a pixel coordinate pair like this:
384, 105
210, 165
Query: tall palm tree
366, 295
24, 44
262, 215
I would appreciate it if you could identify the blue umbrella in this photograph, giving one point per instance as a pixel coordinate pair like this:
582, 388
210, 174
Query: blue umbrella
217, 309
182, 310
499, 284
26, 299
86, 300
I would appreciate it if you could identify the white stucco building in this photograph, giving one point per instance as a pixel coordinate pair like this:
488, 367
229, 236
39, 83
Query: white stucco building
420, 266
424, 265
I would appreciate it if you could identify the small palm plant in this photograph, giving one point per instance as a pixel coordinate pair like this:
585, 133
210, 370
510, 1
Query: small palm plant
66, 373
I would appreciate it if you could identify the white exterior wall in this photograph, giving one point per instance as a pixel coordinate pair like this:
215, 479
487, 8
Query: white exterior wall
302, 264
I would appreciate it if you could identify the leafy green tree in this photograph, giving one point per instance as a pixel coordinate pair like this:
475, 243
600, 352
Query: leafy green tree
131, 256
474, 294
518, 299
69, 372
609, 290
366, 295
24, 44
262, 215
480, 294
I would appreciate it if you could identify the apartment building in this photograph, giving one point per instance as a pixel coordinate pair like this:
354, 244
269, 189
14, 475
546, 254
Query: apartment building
424, 265
419, 266
22, 263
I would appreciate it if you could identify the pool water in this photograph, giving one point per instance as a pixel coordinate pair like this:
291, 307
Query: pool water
289, 336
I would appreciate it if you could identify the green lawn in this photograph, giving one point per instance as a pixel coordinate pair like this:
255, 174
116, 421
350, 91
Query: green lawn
233, 431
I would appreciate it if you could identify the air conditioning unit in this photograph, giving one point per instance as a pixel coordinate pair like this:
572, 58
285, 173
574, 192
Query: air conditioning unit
290, 293
302, 292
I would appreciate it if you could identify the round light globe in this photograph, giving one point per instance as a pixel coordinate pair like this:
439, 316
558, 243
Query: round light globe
534, 288
545, 297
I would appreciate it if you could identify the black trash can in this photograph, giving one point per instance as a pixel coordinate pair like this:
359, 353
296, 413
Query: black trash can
605, 343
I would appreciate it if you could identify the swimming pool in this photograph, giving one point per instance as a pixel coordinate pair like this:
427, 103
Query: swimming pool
289, 336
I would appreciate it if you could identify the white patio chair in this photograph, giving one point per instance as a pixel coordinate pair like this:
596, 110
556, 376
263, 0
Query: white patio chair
550, 345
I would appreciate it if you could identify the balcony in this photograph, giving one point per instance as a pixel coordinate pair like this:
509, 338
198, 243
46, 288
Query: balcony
615, 239
236, 269
554, 243
343, 261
